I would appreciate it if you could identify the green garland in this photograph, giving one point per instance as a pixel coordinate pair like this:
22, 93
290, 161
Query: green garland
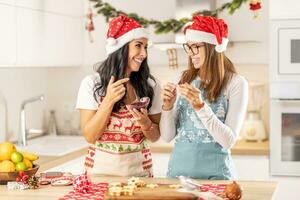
166, 26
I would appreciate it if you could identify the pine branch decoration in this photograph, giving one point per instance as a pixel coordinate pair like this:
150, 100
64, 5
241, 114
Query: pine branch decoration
166, 26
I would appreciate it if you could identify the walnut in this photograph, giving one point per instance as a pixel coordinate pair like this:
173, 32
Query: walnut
233, 191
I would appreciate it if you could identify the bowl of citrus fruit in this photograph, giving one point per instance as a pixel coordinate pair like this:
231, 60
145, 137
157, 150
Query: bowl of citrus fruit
12, 162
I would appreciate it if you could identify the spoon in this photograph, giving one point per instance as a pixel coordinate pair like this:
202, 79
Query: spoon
188, 183
190, 186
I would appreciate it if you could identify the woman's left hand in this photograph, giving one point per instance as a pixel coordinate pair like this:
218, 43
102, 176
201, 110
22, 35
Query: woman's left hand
192, 94
141, 117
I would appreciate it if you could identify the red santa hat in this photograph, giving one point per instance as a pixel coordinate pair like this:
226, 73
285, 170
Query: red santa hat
122, 30
208, 29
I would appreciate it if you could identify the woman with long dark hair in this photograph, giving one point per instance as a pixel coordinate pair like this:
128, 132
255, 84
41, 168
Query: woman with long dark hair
205, 108
120, 105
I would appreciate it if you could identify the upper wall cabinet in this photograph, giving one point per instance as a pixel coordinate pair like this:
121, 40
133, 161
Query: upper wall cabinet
9, 2
8, 34
47, 39
41, 33
65, 7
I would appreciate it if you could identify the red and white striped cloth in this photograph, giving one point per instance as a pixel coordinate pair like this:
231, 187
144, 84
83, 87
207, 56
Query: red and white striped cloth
217, 189
97, 191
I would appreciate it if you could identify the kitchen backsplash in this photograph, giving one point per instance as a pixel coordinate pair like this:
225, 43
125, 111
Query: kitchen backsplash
253, 73
60, 87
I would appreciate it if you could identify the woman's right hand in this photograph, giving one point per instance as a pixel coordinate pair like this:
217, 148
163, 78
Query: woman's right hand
168, 96
115, 90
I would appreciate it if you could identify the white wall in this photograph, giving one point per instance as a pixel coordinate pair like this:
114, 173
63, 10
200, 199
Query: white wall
95, 52
64, 83
18, 84
60, 85
248, 34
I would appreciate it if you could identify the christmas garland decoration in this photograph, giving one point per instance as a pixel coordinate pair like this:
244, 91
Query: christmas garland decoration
166, 26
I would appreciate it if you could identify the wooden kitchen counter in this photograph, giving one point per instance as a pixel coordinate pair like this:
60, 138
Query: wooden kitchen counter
257, 190
47, 162
240, 148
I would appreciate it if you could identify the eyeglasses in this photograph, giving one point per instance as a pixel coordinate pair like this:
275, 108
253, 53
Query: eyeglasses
194, 48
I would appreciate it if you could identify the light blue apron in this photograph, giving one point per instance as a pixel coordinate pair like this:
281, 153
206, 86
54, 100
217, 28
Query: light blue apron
196, 154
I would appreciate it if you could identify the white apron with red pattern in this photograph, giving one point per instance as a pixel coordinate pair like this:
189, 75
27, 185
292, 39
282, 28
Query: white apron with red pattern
122, 150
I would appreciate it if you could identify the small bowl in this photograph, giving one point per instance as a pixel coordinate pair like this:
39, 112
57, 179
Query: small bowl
11, 176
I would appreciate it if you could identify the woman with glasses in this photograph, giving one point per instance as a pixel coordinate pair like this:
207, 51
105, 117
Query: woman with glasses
205, 108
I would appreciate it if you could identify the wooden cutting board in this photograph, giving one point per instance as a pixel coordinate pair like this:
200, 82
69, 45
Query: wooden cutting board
162, 192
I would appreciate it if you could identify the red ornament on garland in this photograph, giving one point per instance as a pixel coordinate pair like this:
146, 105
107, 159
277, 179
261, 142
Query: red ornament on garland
89, 26
255, 5
22, 177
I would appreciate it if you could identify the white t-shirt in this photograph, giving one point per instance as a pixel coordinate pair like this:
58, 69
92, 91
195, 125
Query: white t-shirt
86, 100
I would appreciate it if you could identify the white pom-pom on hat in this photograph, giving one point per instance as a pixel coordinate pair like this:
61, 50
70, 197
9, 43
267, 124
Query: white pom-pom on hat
210, 30
111, 41
222, 47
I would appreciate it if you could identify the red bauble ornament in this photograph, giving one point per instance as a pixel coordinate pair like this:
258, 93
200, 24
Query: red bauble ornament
255, 5
89, 26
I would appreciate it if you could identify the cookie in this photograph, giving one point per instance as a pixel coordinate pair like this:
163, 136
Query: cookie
175, 186
152, 185
143, 103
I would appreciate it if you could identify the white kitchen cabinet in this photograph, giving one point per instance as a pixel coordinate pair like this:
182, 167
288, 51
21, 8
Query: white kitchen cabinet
254, 168
47, 39
41, 33
8, 34
249, 168
245, 166
7, 2
65, 7
75, 166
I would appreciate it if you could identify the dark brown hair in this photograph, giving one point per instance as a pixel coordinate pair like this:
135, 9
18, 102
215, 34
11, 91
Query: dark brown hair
116, 65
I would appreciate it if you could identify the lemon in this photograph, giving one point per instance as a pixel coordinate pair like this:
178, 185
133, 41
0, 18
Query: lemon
16, 157
28, 163
6, 149
7, 166
21, 166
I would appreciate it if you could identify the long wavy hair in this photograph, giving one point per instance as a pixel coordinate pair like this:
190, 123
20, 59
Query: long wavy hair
116, 65
215, 73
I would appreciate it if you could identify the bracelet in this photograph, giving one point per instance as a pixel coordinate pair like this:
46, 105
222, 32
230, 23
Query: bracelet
148, 129
200, 106
166, 109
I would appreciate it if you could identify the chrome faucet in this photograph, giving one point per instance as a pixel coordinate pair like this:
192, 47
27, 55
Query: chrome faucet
22, 140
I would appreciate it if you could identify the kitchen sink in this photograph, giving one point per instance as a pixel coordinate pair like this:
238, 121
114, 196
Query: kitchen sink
54, 145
